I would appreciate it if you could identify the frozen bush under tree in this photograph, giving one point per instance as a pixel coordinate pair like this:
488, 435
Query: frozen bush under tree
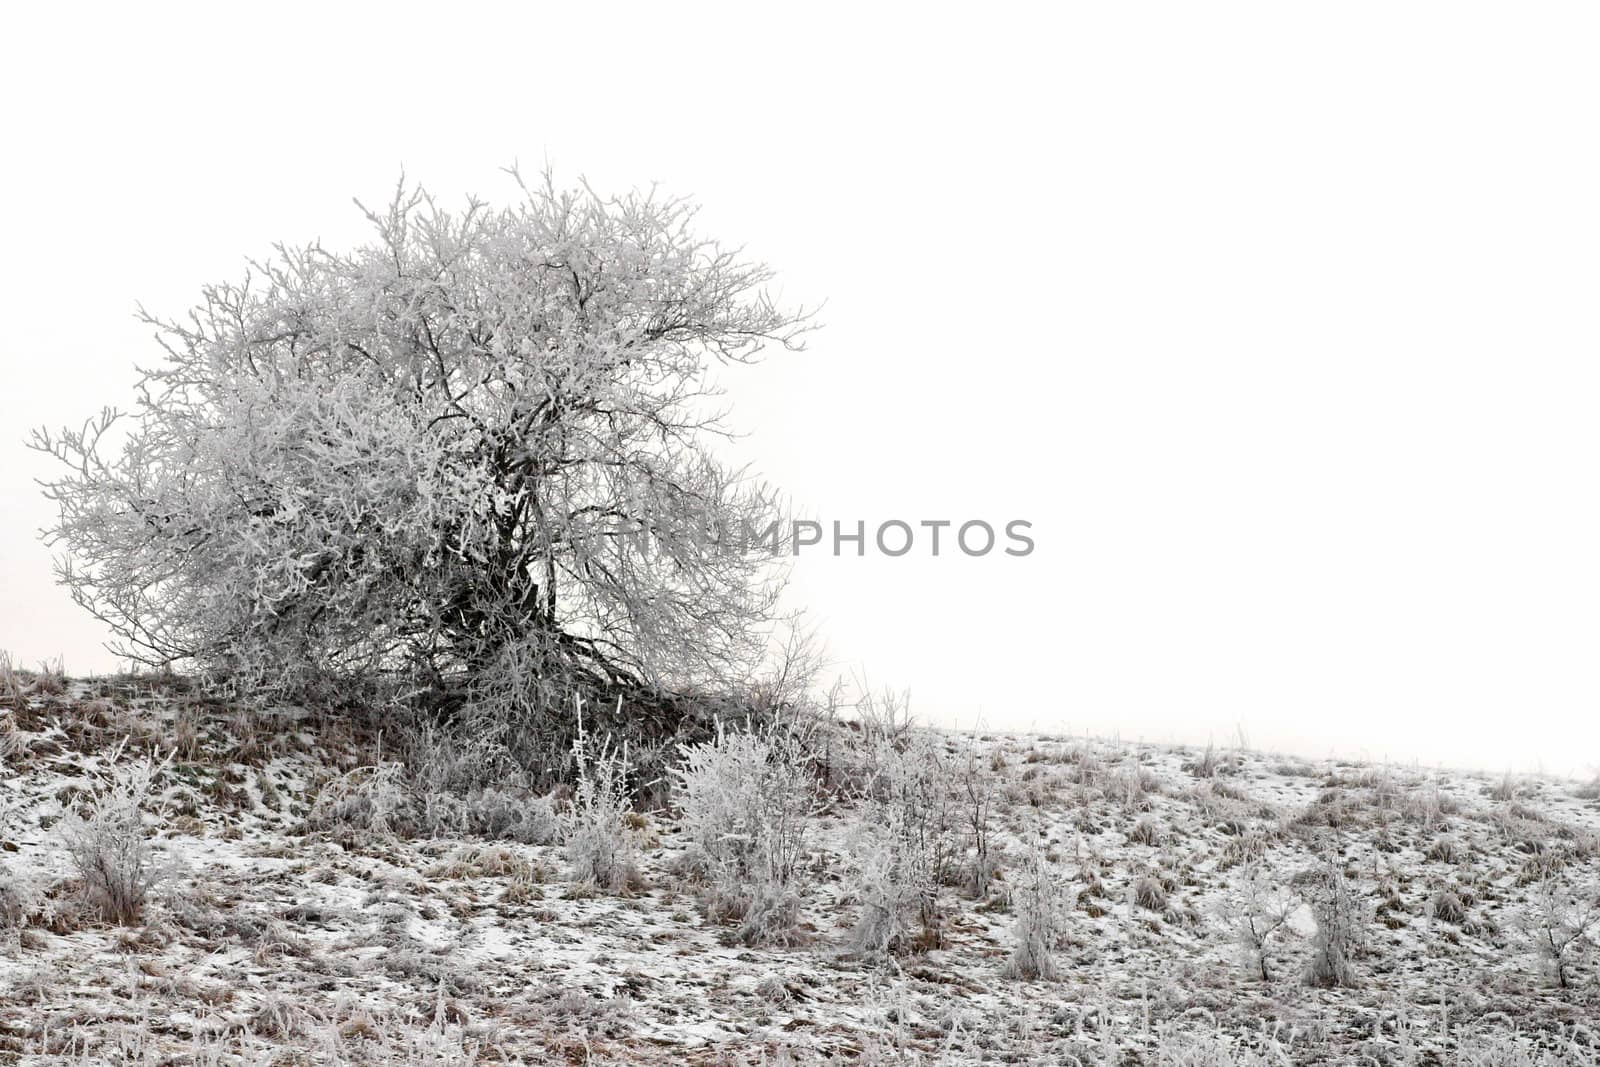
599, 843
745, 798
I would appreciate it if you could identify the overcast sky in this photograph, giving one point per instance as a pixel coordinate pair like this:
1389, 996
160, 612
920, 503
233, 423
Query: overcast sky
1277, 321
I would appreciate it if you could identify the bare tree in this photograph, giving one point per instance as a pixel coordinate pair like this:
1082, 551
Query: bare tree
471, 457
1263, 914
1563, 924
977, 790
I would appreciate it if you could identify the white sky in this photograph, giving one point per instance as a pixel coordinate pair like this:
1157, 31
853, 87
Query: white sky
1277, 320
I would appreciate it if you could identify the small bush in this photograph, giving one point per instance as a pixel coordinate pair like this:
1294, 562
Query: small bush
1505, 789
372, 798
891, 894
50, 680
504, 815
109, 845
902, 847
1563, 924
18, 899
473, 755
1132, 786
1444, 850
1088, 768
1334, 910
1447, 907
1040, 902
977, 789
397, 798
12, 742
1261, 917
885, 717
13, 689
599, 844
744, 799
1149, 894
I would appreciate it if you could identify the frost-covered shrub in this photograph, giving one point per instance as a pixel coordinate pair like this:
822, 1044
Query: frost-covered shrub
12, 742
459, 758
1259, 918
50, 679
372, 798
1208, 765
1039, 899
1563, 924
599, 843
977, 788
884, 717
1447, 906
19, 895
744, 798
1444, 850
472, 783
1131, 787
390, 798
13, 688
1335, 912
527, 818
892, 891
109, 844
902, 846
1149, 894
854, 730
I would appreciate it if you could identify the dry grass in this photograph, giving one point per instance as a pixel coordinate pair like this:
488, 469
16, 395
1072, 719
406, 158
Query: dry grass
322, 907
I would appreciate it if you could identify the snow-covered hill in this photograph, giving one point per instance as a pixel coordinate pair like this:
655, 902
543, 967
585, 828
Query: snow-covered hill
288, 925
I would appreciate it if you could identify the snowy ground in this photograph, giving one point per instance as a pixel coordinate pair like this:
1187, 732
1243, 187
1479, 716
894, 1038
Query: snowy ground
278, 938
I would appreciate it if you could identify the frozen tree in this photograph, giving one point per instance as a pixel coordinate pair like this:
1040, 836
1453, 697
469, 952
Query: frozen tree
1564, 924
1259, 918
977, 790
471, 458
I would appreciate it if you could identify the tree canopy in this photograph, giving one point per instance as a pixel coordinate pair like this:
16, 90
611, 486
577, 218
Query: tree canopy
471, 458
